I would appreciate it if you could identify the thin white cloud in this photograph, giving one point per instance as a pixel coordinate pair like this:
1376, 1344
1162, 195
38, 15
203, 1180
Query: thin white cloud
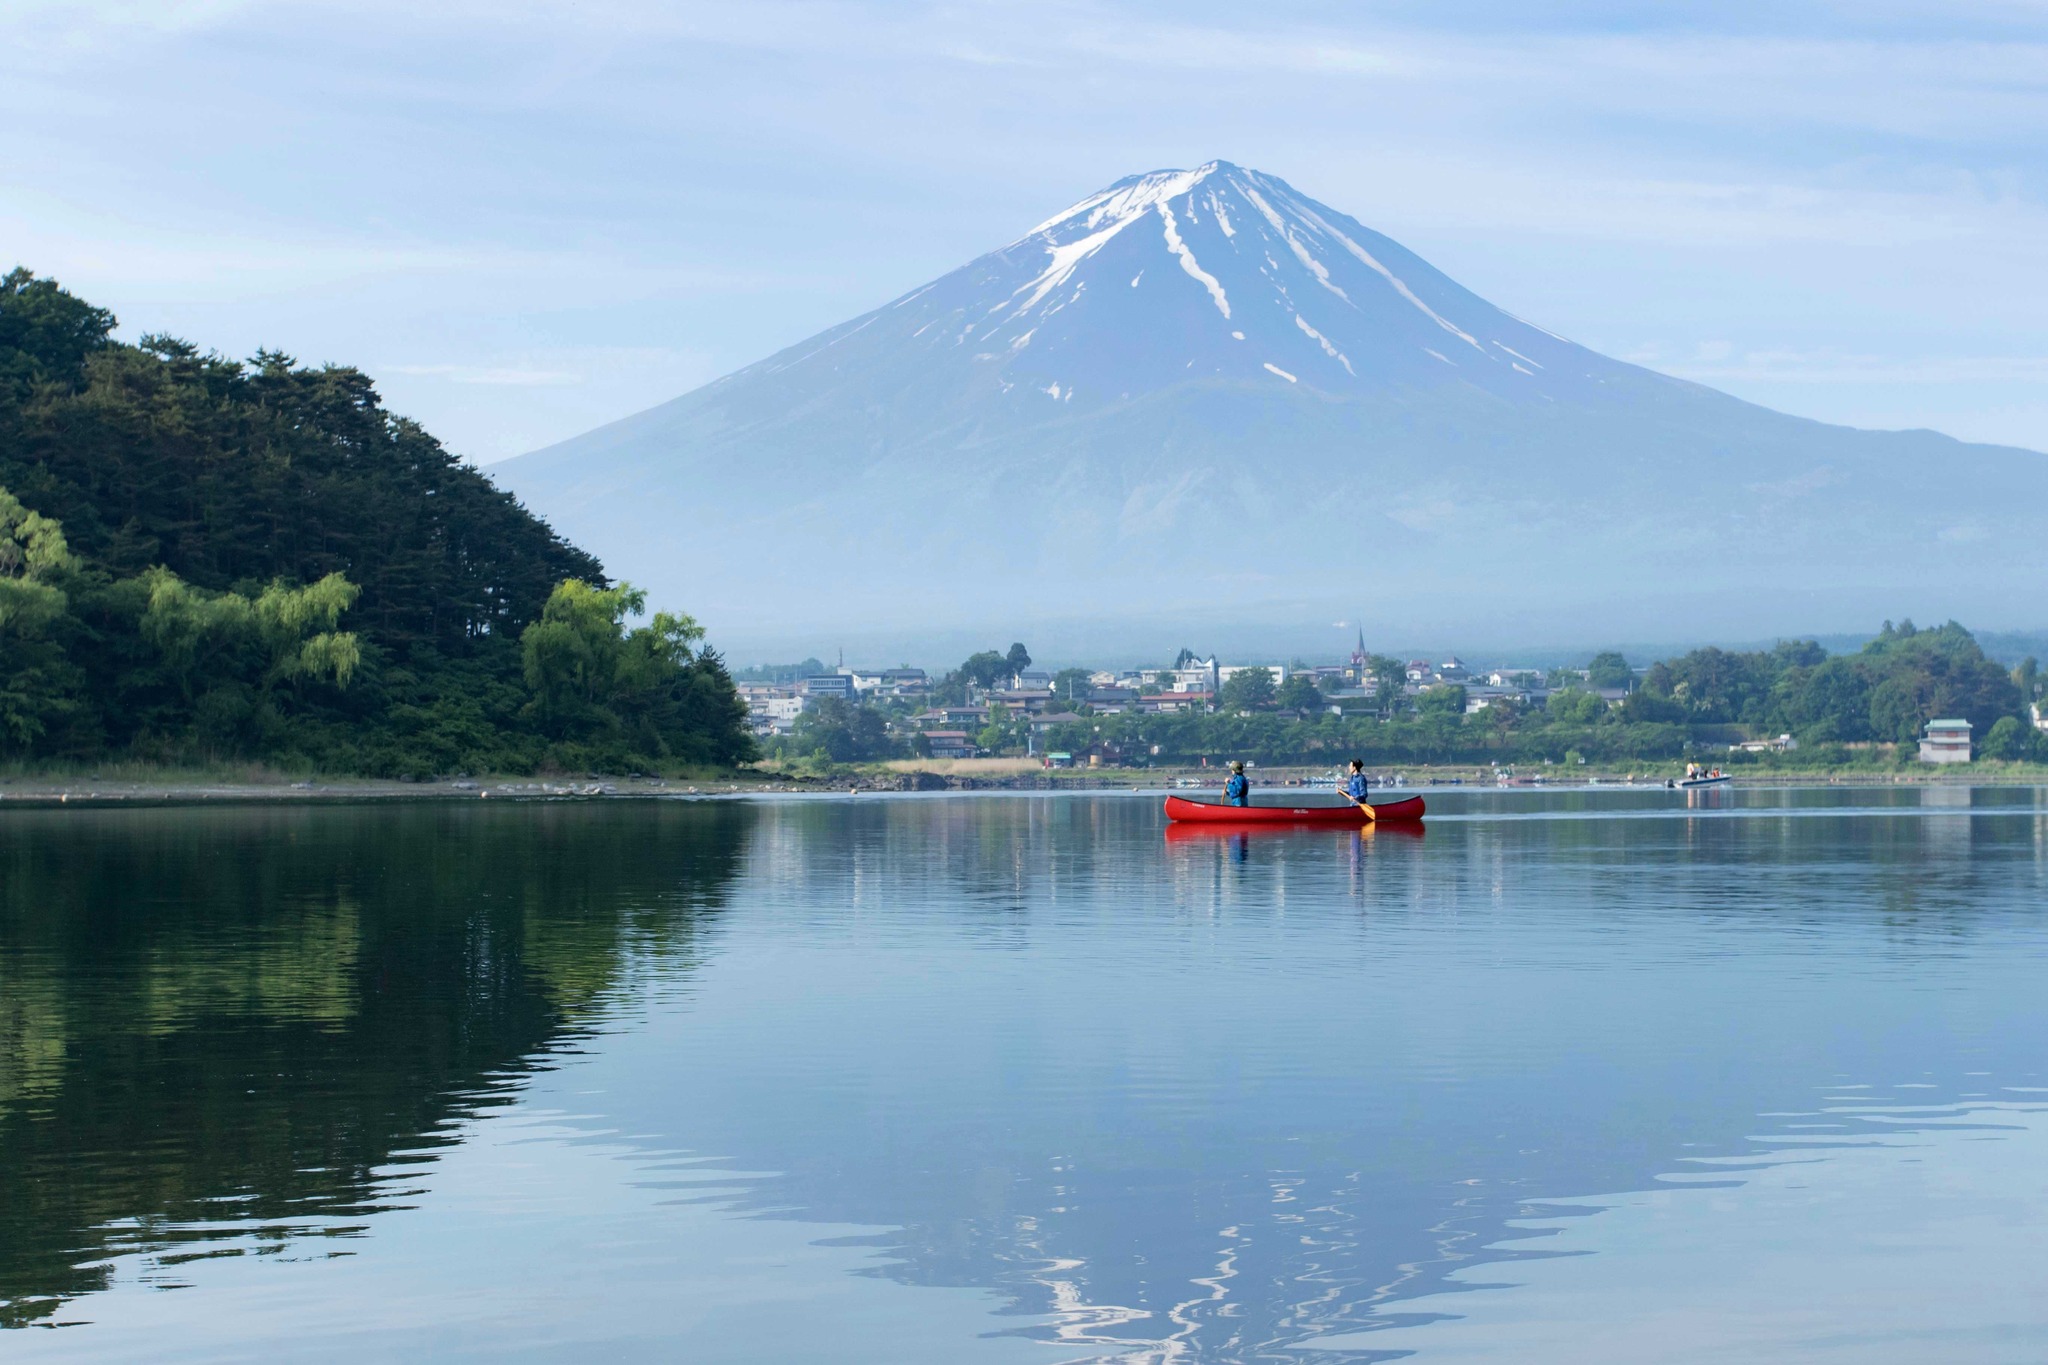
493, 376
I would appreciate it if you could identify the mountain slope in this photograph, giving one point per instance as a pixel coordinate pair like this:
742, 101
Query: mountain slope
1202, 391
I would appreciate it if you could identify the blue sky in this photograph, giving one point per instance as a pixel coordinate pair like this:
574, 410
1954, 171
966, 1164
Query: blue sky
528, 219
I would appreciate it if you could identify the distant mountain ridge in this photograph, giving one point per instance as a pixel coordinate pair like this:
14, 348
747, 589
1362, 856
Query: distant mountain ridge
1200, 392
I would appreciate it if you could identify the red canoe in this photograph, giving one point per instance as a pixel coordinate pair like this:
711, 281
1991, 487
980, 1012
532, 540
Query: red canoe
1216, 813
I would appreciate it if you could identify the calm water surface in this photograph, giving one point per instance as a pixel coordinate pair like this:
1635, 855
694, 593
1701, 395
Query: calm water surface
1594, 1076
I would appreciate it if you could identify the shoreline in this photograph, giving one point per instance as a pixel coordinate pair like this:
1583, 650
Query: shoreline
179, 789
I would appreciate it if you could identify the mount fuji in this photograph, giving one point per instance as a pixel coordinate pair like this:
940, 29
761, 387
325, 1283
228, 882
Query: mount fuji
1199, 400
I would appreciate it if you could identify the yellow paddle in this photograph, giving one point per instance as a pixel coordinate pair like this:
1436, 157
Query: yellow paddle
1370, 813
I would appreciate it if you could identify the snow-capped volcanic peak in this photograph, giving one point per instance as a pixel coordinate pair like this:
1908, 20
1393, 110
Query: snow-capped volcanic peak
1198, 360
1215, 273
1178, 277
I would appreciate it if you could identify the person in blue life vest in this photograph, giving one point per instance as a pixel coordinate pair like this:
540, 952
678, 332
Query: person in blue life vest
1237, 789
1354, 785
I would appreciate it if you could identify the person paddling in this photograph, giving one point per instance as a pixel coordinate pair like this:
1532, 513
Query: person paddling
1237, 789
1354, 788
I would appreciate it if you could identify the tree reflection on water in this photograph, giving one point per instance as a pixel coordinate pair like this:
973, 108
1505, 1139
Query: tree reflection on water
259, 1019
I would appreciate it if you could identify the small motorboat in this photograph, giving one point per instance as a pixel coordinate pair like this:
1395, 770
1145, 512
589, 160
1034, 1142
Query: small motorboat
1694, 783
1217, 813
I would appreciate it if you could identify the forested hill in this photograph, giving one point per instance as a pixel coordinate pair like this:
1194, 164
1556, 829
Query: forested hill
202, 558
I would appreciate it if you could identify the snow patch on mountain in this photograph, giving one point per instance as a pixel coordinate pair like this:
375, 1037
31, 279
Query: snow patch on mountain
1188, 262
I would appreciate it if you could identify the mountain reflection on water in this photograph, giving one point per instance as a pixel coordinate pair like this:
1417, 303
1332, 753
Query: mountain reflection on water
247, 1017
1155, 1099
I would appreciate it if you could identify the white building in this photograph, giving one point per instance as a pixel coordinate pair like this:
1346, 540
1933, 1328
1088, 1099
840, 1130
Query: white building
1198, 676
771, 709
1947, 741
1224, 675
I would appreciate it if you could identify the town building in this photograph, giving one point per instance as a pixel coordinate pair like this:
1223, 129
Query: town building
1947, 741
1278, 672
971, 717
830, 685
1112, 700
1026, 699
772, 708
1175, 701
950, 744
1199, 676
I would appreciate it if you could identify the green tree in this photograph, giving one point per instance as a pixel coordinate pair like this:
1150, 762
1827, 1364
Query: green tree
985, 669
38, 687
237, 662
2008, 741
835, 728
1830, 702
623, 694
1445, 699
1300, 693
573, 655
1929, 674
1248, 689
1575, 706
184, 481
1017, 660
1609, 669
289, 633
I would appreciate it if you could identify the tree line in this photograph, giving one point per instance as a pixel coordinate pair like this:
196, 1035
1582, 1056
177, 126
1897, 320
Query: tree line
204, 559
1841, 709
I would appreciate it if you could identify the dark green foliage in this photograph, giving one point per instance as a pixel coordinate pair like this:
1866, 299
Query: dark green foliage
1886, 693
1445, 699
2008, 741
1248, 689
986, 669
613, 696
258, 561
833, 728
1609, 670
1299, 693
1928, 674
1575, 706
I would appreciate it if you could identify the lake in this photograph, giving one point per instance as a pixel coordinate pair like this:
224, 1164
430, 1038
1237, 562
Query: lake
1601, 1075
